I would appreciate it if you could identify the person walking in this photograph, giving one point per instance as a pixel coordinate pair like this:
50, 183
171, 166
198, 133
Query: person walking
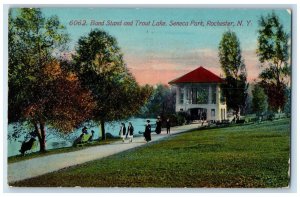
147, 133
130, 130
158, 125
168, 125
122, 131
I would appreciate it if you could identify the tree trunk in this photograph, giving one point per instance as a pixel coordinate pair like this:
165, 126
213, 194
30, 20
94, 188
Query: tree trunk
237, 113
38, 133
100, 133
41, 134
102, 130
43, 137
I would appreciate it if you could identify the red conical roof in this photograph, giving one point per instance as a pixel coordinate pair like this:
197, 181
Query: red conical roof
199, 75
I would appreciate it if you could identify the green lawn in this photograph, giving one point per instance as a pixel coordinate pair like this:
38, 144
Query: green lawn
243, 156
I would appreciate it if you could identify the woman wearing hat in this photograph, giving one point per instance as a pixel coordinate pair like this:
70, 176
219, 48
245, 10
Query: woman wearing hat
158, 125
84, 130
147, 133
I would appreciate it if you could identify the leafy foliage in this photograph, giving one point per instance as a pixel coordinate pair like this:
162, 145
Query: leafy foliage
259, 100
161, 102
230, 57
273, 53
40, 91
65, 104
276, 95
288, 104
99, 64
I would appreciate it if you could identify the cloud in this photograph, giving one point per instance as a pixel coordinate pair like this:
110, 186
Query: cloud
162, 67
252, 64
151, 76
173, 59
153, 68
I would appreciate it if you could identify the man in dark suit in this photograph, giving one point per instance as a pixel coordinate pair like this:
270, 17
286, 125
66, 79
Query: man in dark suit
168, 125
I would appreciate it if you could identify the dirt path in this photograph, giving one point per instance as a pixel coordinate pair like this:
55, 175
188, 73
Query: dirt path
42, 165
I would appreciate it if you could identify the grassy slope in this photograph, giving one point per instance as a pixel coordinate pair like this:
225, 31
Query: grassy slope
246, 156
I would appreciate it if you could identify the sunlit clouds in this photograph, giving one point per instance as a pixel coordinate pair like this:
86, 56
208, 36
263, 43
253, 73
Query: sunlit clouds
156, 68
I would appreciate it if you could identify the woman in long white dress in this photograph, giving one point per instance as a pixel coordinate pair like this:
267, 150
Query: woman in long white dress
130, 130
122, 131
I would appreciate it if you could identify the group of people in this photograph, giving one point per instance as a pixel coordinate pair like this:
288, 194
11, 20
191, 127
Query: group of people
84, 137
147, 134
159, 124
126, 133
84, 131
129, 134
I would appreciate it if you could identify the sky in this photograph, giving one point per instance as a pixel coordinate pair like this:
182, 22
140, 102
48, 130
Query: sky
159, 54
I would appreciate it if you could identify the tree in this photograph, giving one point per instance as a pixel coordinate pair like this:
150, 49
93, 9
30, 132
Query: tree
259, 100
162, 102
232, 63
288, 104
100, 66
273, 53
40, 92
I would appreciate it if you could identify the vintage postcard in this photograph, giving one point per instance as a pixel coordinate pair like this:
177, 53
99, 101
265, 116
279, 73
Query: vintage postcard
143, 97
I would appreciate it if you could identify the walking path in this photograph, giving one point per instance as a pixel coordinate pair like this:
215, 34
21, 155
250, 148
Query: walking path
46, 164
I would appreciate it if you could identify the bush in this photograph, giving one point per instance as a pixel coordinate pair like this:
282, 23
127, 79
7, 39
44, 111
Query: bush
182, 118
271, 116
177, 119
110, 136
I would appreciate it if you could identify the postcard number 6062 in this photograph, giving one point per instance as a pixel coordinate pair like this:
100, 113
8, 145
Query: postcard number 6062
77, 22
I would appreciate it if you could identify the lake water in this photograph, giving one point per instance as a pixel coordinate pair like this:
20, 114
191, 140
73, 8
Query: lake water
53, 141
